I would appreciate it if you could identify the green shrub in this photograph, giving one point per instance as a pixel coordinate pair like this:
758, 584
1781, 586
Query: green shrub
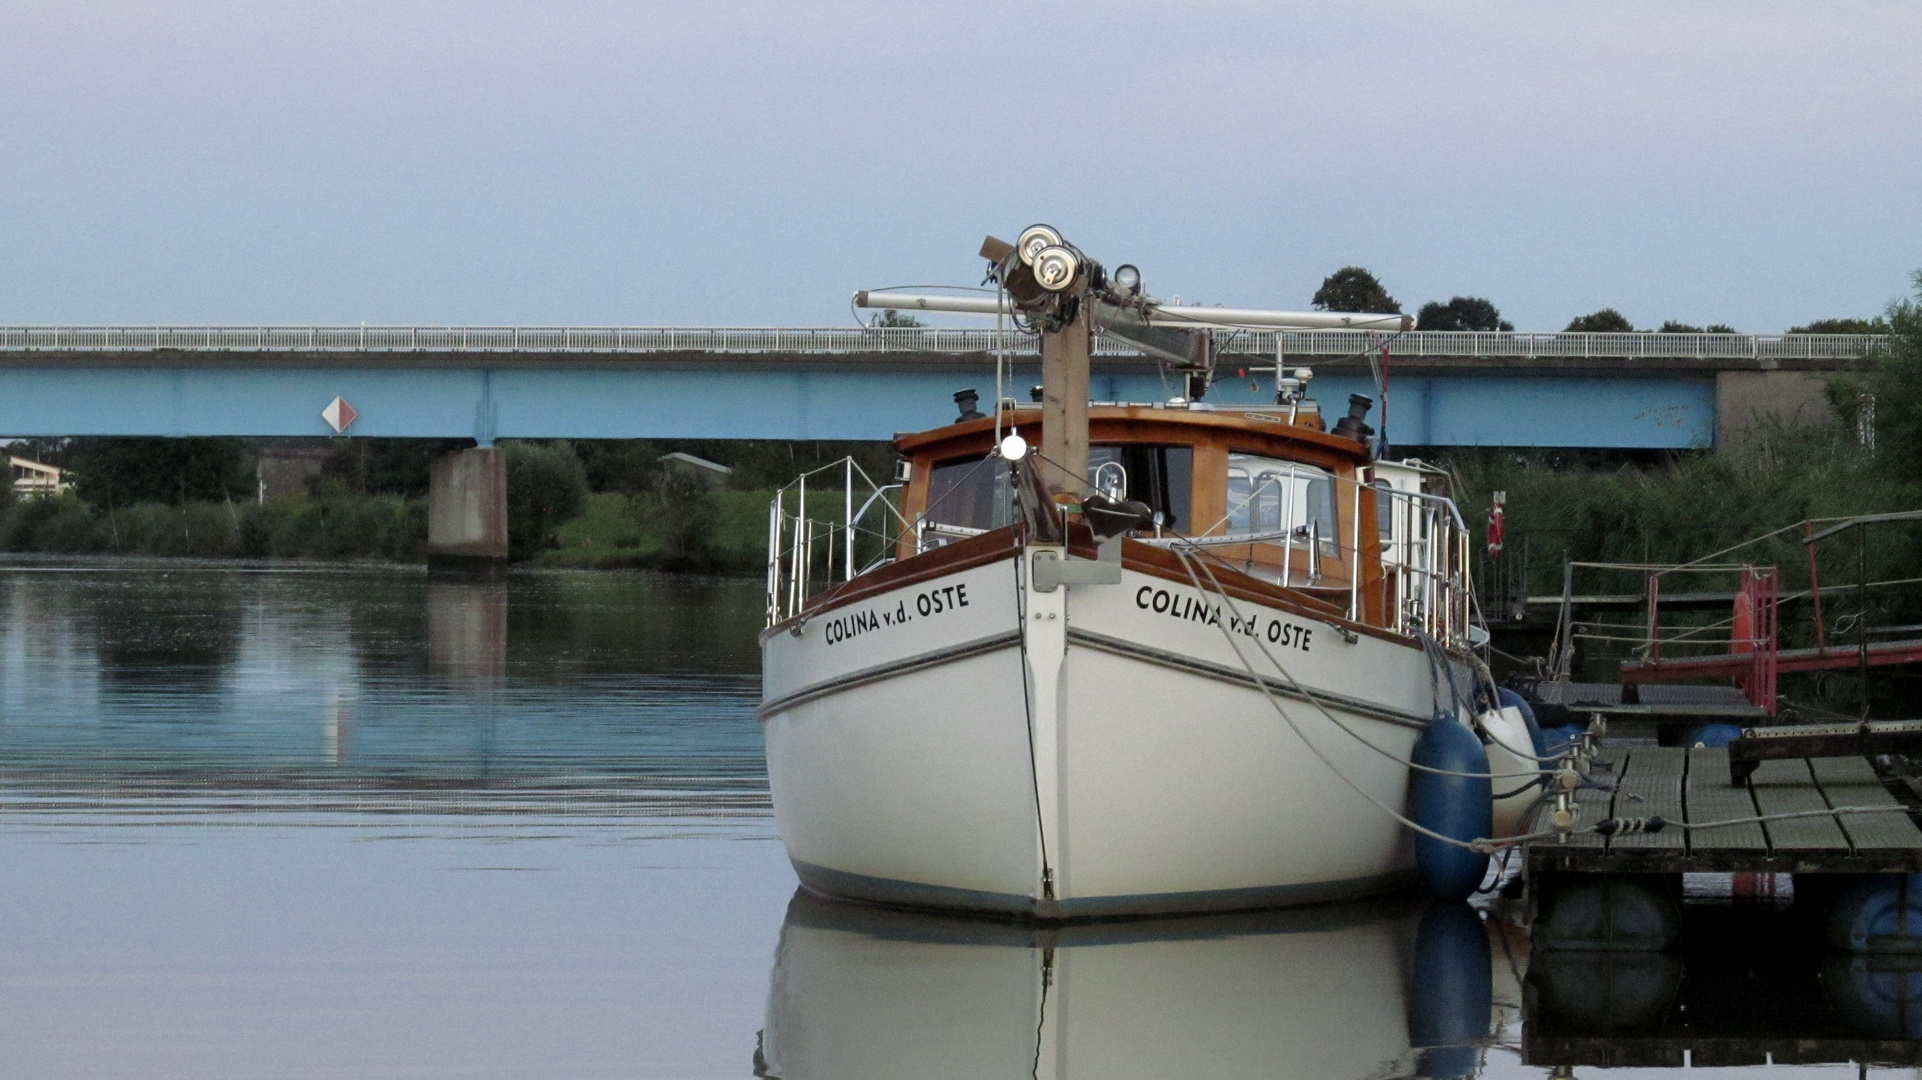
546, 485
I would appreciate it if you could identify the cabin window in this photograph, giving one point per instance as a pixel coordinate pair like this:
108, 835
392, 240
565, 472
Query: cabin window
968, 496
1268, 496
1161, 476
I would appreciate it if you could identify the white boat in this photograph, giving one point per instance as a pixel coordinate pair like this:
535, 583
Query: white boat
1175, 661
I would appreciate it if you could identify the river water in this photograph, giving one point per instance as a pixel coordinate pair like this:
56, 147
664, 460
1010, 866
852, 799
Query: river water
350, 822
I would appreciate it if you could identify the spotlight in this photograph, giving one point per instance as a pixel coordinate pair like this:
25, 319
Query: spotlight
1127, 278
1014, 448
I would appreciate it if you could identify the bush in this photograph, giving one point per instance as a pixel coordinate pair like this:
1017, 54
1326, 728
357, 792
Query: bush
546, 485
47, 523
682, 511
343, 527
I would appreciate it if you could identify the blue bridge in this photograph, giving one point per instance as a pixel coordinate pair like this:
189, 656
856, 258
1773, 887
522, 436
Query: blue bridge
1628, 391
1625, 391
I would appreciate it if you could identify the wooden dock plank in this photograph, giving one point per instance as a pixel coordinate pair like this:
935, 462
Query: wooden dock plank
1852, 781
1654, 786
1786, 786
1708, 796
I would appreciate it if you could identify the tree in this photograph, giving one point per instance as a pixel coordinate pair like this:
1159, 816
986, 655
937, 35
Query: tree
1605, 321
1352, 288
112, 472
386, 466
1462, 313
1877, 325
546, 485
892, 318
1896, 382
1673, 327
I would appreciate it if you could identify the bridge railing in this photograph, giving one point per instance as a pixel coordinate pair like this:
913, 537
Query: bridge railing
1305, 345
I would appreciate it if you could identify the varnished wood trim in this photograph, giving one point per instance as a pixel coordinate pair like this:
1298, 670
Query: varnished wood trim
1157, 562
947, 559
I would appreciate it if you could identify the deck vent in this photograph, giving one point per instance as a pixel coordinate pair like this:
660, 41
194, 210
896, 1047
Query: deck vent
969, 402
1355, 424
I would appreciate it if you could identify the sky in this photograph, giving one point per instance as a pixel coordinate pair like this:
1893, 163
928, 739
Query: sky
716, 163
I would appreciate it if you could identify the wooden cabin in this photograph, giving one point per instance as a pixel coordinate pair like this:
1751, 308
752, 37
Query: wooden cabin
1285, 483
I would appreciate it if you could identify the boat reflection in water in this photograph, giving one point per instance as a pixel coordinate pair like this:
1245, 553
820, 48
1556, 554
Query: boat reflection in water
1382, 989
1751, 987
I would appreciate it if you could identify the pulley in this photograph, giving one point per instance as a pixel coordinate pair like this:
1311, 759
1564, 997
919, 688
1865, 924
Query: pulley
1056, 267
1033, 240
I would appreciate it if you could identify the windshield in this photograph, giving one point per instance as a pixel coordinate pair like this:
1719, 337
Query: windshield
1268, 495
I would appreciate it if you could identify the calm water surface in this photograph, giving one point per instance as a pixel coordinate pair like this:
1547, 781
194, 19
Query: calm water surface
271, 822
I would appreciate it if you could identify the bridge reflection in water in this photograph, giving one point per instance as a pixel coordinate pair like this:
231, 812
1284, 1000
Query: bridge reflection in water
157, 688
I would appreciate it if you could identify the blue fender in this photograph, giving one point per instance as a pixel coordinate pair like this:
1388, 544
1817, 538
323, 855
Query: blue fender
1711, 735
1459, 807
1453, 991
1878, 913
1880, 1001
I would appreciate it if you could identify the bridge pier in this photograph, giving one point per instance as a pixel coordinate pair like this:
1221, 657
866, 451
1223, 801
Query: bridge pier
467, 513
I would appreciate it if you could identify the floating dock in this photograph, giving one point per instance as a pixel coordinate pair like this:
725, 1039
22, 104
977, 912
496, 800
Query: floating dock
1693, 785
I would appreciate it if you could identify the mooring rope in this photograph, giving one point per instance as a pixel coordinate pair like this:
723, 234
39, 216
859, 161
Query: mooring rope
1655, 823
1607, 827
1268, 693
1189, 561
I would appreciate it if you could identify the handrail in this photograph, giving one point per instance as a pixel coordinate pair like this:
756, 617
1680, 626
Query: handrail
1424, 560
1297, 344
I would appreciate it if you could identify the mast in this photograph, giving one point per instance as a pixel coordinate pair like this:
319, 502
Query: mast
1064, 399
1059, 294
1048, 282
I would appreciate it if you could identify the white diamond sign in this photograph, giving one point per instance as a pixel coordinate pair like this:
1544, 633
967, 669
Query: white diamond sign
338, 414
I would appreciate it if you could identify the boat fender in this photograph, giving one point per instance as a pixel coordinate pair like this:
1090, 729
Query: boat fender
1453, 991
1711, 735
1880, 999
1509, 699
1878, 913
1514, 795
1456, 806
1560, 739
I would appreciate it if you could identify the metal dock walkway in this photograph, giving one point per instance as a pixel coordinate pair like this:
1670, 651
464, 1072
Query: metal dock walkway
1693, 785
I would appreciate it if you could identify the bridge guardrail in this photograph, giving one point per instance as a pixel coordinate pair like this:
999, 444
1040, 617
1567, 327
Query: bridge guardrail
1305, 344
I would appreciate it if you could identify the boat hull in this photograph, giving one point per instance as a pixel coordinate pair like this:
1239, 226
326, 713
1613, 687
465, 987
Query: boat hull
1096, 750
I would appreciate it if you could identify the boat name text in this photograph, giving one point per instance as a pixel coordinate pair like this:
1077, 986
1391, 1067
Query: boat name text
932, 602
1192, 609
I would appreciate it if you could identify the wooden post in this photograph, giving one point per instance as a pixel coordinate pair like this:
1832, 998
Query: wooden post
1064, 403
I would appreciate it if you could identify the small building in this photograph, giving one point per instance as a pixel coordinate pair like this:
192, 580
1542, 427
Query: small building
37, 478
712, 473
285, 470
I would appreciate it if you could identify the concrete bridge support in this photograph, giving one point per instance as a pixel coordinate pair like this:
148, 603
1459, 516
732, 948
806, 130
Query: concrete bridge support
467, 513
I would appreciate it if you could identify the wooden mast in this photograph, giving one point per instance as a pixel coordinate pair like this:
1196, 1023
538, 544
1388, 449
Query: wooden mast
1064, 399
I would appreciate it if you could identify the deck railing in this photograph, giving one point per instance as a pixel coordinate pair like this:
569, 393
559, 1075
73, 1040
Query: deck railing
828, 526
835, 523
1423, 544
1305, 344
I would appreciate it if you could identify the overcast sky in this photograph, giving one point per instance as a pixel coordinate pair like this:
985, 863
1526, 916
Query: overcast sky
482, 161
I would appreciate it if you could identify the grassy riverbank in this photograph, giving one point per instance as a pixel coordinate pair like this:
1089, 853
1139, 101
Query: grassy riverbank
614, 531
386, 527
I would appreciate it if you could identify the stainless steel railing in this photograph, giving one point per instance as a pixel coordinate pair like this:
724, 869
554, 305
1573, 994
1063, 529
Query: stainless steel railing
850, 528
1304, 344
1422, 541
